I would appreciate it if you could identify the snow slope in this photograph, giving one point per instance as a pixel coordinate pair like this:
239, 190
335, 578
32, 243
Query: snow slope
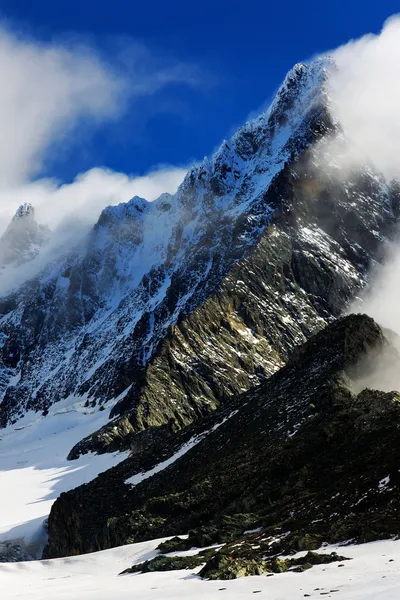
34, 471
373, 573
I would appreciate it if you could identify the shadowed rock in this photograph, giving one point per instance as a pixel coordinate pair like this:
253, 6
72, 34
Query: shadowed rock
299, 454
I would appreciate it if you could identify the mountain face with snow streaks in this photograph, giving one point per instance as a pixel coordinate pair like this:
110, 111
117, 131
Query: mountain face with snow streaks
173, 307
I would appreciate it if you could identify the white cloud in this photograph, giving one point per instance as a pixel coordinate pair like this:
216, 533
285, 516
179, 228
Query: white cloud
84, 198
365, 94
381, 300
50, 93
71, 209
366, 97
365, 91
50, 90
47, 90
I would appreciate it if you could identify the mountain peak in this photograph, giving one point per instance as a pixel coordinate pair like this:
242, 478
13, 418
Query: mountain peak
268, 140
304, 87
253, 209
25, 210
23, 238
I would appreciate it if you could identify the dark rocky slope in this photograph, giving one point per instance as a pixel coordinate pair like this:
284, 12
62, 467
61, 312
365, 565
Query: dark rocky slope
301, 458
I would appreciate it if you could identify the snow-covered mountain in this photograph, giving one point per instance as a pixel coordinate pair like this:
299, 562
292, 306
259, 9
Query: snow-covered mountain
170, 308
167, 311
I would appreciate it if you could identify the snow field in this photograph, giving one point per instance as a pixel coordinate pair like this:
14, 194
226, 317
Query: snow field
372, 574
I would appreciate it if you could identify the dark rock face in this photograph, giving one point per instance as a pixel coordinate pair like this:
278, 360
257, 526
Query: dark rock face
300, 453
174, 308
168, 563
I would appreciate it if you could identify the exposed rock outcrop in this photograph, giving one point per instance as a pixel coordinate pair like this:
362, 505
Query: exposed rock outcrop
298, 461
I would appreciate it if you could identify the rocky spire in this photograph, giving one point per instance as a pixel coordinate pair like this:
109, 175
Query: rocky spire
23, 238
25, 210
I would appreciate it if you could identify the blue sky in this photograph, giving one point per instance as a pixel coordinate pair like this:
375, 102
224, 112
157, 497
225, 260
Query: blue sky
232, 56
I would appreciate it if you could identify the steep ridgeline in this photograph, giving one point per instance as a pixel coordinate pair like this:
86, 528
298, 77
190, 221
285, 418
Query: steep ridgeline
296, 462
173, 307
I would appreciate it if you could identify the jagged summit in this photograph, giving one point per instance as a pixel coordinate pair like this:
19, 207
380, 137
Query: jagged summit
25, 210
135, 207
269, 137
23, 238
306, 83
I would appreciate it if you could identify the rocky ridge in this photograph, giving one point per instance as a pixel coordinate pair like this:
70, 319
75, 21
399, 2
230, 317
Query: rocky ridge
298, 461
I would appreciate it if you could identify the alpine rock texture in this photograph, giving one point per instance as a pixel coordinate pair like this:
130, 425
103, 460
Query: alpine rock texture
175, 307
299, 461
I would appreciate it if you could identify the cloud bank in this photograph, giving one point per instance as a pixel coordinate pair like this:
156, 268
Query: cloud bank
365, 97
49, 90
83, 199
365, 92
53, 94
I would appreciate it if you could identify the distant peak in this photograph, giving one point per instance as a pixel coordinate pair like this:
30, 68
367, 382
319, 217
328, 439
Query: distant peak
25, 210
23, 238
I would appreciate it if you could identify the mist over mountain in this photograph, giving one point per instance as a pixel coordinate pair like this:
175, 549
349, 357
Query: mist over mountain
23, 239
